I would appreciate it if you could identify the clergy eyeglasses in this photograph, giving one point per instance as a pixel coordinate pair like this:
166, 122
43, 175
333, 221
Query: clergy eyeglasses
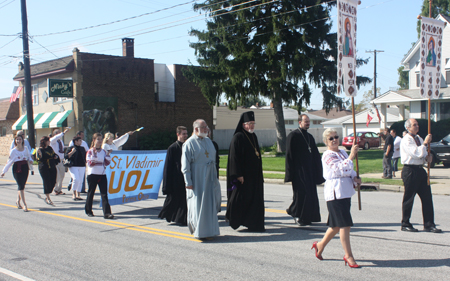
333, 138
250, 123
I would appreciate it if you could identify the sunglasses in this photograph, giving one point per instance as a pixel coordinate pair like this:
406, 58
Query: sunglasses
333, 138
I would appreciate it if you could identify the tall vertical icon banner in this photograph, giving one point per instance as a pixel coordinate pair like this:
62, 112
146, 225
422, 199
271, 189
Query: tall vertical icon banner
430, 57
346, 64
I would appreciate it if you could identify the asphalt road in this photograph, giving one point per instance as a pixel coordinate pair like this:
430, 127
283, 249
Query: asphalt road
61, 243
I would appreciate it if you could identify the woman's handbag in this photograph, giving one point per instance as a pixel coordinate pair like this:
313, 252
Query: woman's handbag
67, 163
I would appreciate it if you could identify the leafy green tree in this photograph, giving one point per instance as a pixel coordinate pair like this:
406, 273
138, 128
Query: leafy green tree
437, 7
403, 78
275, 49
252, 100
365, 102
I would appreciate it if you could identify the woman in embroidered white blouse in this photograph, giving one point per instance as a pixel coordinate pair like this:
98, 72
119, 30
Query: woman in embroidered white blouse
338, 190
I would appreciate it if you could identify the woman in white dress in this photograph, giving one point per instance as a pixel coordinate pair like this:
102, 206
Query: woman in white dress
20, 159
338, 190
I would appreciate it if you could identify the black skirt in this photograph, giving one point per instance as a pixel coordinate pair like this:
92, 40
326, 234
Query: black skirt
21, 178
339, 213
48, 176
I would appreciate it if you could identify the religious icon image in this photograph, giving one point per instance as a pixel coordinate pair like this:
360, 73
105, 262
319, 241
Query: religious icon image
348, 47
431, 57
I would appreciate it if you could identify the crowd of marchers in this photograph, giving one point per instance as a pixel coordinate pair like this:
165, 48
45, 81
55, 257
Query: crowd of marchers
53, 160
193, 192
192, 188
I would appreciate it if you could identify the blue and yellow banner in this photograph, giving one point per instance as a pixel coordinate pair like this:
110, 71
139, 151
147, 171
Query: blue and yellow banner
134, 175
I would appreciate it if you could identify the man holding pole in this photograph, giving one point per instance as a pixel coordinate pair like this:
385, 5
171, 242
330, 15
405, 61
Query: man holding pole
413, 152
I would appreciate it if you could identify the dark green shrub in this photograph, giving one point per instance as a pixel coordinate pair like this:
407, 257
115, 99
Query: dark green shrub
438, 129
157, 140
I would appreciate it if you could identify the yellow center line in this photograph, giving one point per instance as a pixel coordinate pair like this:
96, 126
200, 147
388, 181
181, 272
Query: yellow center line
122, 225
31, 183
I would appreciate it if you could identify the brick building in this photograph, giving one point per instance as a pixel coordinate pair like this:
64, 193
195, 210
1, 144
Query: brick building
9, 112
112, 93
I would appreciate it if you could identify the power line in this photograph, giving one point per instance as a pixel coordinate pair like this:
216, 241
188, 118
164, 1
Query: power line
113, 22
10, 42
105, 40
6, 4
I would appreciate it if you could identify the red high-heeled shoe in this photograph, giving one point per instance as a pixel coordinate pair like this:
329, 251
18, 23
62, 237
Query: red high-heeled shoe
352, 266
314, 246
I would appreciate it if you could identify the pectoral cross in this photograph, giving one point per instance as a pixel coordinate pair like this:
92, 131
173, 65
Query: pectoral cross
206, 153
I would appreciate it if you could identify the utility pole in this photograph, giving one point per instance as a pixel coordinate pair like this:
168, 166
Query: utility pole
27, 75
374, 71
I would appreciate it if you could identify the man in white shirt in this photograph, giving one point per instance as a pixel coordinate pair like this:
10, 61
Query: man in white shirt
86, 147
25, 141
58, 146
413, 152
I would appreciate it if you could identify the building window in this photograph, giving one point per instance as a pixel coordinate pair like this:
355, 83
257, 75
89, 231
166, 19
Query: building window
156, 91
59, 99
2, 131
317, 122
289, 122
423, 109
444, 109
417, 79
447, 76
35, 94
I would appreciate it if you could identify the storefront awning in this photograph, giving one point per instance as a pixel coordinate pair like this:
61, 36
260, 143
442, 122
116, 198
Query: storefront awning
43, 120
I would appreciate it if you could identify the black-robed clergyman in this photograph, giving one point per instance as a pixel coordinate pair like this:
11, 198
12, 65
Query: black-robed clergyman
245, 182
175, 206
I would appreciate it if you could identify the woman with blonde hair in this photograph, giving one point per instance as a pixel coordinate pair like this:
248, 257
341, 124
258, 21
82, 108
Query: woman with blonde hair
110, 144
340, 181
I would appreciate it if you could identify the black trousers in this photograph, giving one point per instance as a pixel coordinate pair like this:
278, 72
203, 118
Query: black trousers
415, 180
93, 181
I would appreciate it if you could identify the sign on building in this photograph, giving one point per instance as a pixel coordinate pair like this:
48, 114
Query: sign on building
60, 88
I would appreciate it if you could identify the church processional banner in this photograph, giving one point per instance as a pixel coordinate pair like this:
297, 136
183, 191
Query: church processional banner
347, 47
134, 175
430, 57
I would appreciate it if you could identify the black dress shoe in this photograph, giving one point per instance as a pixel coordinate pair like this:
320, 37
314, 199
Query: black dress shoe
409, 228
432, 229
90, 215
303, 223
109, 217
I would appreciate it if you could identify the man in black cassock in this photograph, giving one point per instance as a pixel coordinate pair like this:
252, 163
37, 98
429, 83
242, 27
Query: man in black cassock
304, 170
175, 206
245, 182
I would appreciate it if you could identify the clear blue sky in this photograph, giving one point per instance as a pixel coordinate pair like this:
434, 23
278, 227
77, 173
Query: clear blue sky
388, 25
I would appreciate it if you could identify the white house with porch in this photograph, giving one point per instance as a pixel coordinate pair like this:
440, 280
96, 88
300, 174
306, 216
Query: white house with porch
418, 106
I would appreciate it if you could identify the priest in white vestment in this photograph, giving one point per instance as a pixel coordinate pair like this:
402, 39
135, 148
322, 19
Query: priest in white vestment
202, 185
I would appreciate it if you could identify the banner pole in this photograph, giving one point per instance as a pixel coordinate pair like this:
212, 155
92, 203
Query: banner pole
358, 186
429, 111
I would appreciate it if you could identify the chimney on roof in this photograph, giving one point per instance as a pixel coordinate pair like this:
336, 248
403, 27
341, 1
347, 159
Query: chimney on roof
128, 47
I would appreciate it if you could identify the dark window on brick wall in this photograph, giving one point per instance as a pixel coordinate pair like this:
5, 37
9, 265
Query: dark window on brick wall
156, 91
